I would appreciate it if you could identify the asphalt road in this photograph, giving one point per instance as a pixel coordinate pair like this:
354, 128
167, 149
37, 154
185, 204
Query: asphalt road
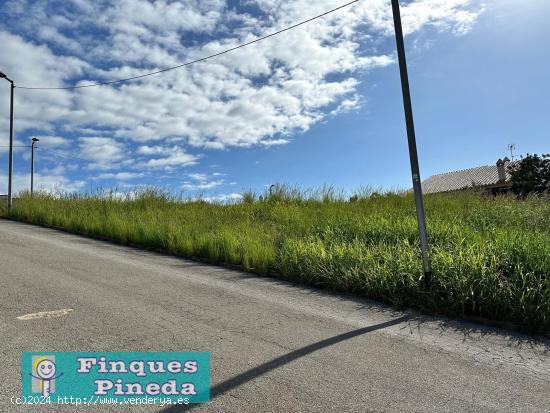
276, 347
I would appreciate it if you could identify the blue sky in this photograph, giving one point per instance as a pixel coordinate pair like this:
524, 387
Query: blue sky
318, 105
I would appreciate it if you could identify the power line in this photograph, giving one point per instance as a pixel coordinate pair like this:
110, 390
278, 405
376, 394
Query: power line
202, 59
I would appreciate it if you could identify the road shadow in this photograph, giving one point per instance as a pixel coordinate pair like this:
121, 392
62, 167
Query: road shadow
480, 330
258, 371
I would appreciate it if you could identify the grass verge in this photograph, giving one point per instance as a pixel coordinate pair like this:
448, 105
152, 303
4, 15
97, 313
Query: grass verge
490, 256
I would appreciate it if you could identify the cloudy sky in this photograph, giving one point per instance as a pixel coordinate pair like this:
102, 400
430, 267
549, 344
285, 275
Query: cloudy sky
317, 105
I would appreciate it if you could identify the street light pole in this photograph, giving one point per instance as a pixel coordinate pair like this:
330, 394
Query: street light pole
10, 156
415, 170
34, 140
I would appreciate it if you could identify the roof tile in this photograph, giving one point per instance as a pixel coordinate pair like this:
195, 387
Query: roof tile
466, 178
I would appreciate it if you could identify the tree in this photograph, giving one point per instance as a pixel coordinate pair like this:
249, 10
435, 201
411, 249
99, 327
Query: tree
531, 175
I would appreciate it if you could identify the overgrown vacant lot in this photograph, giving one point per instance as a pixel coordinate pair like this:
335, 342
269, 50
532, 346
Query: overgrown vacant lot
490, 256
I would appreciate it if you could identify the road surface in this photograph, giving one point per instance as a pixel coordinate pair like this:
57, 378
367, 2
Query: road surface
276, 347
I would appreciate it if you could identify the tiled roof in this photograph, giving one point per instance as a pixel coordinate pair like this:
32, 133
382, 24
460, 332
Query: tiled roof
467, 178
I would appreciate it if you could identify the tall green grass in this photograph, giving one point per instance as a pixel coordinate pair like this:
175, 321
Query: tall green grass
490, 256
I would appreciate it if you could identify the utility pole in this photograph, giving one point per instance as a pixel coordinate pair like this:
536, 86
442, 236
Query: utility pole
10, 156
413, 155
34, 140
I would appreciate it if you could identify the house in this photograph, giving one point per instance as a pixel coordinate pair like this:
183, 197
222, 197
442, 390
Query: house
493, 178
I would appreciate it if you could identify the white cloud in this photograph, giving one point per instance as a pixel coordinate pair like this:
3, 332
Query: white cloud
44, 182
50, 33
224, 198
102, 152
452, 15
204, 185
274, 142
201, 181
120, 176
176, 158
29, 63
152, 150
217, 103
51, 141
18, 145
57, 170
259, 95
198, 176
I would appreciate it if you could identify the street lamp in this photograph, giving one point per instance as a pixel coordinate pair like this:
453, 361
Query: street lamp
415, 170
10, 156
34, 140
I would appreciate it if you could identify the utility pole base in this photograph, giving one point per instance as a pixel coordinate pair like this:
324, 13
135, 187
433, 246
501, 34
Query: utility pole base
427, 278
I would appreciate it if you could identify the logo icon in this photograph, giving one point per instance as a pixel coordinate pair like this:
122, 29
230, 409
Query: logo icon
57, 376
44, 375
